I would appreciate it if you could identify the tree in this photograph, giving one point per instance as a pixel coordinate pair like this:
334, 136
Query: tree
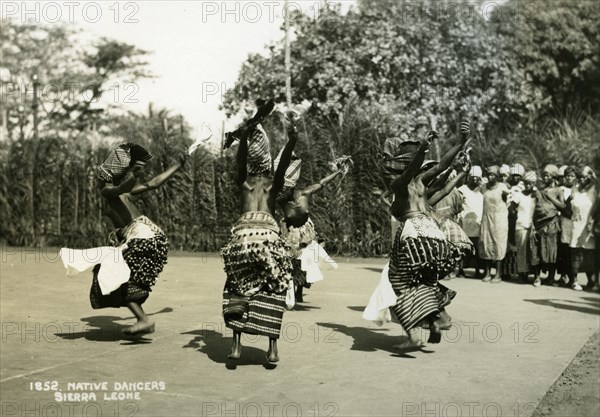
557, 45
430, 62
68, 93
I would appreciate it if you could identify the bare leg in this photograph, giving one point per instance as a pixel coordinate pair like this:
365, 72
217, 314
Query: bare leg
144, 325
445, 321
537, 282
272, 354
435, 335
298, 294
575, 271
461, 271
236, 346
497, 275
551, 274
486, 271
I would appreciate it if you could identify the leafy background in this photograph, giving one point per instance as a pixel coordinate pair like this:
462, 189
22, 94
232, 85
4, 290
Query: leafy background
528, 76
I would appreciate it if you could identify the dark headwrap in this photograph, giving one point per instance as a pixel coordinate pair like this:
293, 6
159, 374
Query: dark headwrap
120, 160
397, 154
259, 152
292, 174
571, 170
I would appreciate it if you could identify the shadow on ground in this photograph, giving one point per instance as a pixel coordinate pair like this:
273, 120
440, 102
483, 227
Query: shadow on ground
217, 346
580, 306
106, 329
367, 340
303, 307
370, 268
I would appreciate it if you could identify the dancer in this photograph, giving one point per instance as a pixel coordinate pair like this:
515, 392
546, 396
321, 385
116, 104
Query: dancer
299, 230
421, 254
143, 245
257, 261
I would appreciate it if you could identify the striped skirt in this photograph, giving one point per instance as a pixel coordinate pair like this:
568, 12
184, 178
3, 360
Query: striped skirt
416, 265
263, 314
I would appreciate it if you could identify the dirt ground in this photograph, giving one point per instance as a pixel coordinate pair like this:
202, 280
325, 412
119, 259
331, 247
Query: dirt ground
577, 391
508, 346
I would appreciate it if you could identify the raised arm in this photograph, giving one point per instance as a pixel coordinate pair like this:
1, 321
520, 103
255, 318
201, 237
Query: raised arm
437, 197
321, 184
447, 159
112, 191
286, 155
160, 179
438, 183
402, 181
242, 159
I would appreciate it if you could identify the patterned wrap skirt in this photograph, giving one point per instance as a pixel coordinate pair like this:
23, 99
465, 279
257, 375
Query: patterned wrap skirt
146, 259
416, 265
544, 243
258, 268
456, 235
299, 238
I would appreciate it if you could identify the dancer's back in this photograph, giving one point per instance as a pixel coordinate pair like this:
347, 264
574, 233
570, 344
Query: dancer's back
256, 194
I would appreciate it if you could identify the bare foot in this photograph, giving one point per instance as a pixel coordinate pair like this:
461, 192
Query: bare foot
414, 341
435, 335
141, 327
445, 321
487, 278
272, 354
409, 344
236, 352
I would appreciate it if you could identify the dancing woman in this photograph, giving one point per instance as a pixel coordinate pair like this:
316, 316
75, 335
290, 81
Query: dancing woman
299, 230
421, 254
256, 258
142, 243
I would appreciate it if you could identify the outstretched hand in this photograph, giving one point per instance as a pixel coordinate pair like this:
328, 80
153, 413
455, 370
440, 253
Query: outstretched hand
465, 129
431, 136
345, 166
289, 123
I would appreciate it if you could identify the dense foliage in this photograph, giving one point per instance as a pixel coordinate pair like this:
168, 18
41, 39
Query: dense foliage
528, 78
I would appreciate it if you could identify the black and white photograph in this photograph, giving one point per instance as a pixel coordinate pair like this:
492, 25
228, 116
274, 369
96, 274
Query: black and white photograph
300, 208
